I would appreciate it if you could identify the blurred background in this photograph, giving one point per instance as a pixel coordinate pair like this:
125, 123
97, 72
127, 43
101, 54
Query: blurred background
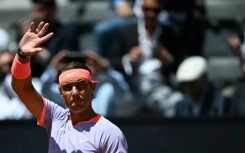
195, 104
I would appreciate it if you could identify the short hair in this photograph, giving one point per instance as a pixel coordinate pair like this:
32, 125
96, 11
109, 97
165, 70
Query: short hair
46, 3
161, 3
74, 65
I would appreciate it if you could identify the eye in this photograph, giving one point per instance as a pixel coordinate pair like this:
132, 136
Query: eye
67, 87
82, 86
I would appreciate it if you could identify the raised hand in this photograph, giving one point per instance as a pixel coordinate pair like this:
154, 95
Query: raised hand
33, 38
135, 55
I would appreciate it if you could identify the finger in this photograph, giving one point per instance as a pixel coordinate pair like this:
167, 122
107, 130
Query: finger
36, 50
46, 37
31, 28
40, 26
43, 30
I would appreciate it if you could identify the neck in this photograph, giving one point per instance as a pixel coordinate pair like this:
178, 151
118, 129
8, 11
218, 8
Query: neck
150, 29
82, 117
197, 95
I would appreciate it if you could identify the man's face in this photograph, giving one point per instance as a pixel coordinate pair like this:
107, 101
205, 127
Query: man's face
195, 88
6, 59
77, 94
42, 13
151, 10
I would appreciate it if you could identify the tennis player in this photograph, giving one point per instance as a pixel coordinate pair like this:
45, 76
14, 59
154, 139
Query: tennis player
77, 128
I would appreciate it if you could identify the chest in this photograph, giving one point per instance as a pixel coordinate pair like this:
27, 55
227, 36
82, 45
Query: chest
65, 137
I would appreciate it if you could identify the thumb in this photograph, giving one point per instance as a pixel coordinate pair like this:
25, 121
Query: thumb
37, 50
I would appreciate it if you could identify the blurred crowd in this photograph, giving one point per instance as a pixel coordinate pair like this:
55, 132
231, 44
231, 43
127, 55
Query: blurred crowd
146, 54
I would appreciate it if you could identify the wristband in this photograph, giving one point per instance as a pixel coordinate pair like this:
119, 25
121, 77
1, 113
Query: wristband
21, 55
20, 70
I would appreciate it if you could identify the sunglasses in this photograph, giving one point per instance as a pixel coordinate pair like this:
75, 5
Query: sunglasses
155, 10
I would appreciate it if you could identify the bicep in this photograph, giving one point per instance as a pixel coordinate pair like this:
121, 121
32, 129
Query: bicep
28, 95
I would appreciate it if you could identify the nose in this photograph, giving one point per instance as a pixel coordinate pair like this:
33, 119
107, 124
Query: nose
151, 14
74, 90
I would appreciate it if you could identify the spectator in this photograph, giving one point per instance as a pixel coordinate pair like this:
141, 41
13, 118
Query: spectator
66, 36
123, 13
201, 98
146, 52
184, 16
237, 46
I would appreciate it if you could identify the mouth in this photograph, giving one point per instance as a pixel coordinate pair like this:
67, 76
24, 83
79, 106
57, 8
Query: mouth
77, 101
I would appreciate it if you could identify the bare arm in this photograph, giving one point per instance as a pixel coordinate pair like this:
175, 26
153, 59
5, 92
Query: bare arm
124, 10
29, 45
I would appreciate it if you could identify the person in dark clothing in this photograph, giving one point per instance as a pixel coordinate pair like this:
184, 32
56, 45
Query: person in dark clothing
65, 38
146, 52
201, 98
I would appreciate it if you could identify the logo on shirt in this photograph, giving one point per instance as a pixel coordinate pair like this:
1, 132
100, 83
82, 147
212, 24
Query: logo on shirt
83, 140
62, 129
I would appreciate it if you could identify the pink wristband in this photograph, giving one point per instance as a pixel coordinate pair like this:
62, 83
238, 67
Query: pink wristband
20, 70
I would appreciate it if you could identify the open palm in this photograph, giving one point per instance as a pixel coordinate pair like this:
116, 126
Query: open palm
31, 40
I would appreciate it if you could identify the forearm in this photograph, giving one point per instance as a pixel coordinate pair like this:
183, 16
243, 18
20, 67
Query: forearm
28, 95
23, 87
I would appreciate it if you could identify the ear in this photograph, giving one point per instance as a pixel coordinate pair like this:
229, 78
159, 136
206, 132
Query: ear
94, 84
61, 92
